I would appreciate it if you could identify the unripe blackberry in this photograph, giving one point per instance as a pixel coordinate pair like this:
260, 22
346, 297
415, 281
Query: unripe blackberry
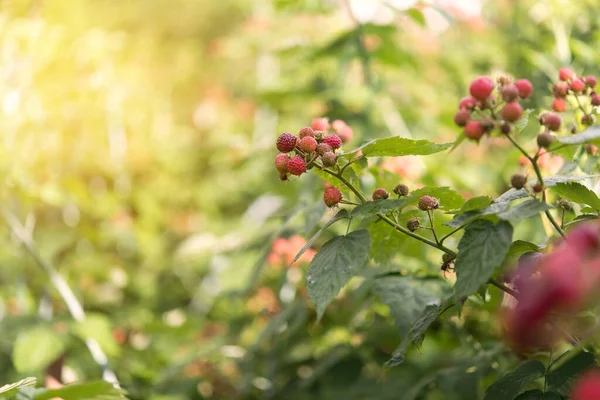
505, 129
538, 187
413, 224
332, 196
308, 144
525, 88
333, 140
577, 85
512, 112
323, 148
545, 139
591, 81
320, 124
560, 89
565, 204
461, 117
428, 203
551, 121
565, 74
296, 166
286, 142
467, 103
281, 162
559, 105
401, 189
328, 159
518, 181
595, 99
473, 130
591, 149
481, 88
306, 131
509, 93
380, 193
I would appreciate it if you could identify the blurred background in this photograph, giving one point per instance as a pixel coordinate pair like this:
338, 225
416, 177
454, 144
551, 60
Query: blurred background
136, 149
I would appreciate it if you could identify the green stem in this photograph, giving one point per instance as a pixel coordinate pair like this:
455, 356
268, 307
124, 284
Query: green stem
587, 116
451, 233
432, 227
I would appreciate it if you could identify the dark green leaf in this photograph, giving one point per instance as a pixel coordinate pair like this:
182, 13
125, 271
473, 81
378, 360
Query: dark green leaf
398, 146
36, 348
578, 193
481, 250
561, 378
588, 135
520, 247
99, 390
527, 209
475, 204
9, 390
465, 218
339, 260
342, 214
379, 206
512, 383
534, 394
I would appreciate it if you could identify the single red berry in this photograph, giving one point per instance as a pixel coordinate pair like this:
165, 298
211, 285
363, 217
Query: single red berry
380, 193
591, 81
428, 203
551, 121
296, 165
286, 142
587, 119
525, 88
487, 124
320, 124
306, 131
505, 129
591, 149
565, 74
333, 140
545, 139
474, 130
342, 130
401, 189
332, 196
467, 103
595, 99
518, 181
560, 89
481, 88
509, 92
328, 159
559, 105
281, 162
308, 144
538, 187
461, 117
413, 224
577, 85
512, 112
587, 387
323, 148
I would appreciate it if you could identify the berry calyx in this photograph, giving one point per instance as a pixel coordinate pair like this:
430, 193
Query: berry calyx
307, 144
323, 148
286, 142
332, 196
462, 117
296, 166
481, 88
281, 162
577, 85
565, 204
467, 103
474, 130
591, 81
545, 139
328, 159
428, 203
333, 140
565, 74
559, 105
401, 189
512, 112
380, 193
413, 224
509, 93
551, 121
518, 181
320, 124
306, 131
525, 88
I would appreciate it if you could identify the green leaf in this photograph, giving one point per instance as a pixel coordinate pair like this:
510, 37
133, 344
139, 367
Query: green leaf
399, 146
578, 193
342, 214
9, 390
99, 390
527, 127
588, 135
467, 217
475, 204
379, 206
449, 199
534, 394
561, 378
339, 260
520, 247
98, 327
481, 250
524, 210
416, 15
512, 383
36, 348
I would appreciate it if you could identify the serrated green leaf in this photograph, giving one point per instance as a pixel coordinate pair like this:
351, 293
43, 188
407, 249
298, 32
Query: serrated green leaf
578, 193
475, 204
561, 378
11, 389
534, 394
520, 247
481, 250
592, 133
469, 216
449, 199
399, 146
379, 206
339, 260
36, 348
99, 390
342, 214
512, 383
524, 210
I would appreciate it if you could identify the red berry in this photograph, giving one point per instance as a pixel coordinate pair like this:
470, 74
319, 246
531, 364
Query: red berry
468, 103
587, 387
333, 140
595, 100
401, 189
286, 142
591, 149
320, 124
481, 88
306, 131
509, 92
474, 130
565, 74
342, 130
512, 112
518, 181
328, 159
577, 85
308, 144
525, 88
332, 196
559, 105
281, 162
560, 89
413, 224
428, 203
323, 148
545, 139
380, 193
461, 117
296, 165
591, 81
538, 187
505, 129
551, 121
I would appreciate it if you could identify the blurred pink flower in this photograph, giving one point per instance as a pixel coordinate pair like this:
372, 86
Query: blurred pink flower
410, 167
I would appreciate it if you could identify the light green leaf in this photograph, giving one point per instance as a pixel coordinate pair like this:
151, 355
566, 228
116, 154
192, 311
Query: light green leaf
481, 250
339, 260
399, 146
342, 214
98, 327
524, 210
379, 206
588, 135
527, 127
36, 348
520, 247
512, 383
99, 390
578, 193
465, 218
475, 204
449, 199
9, 390
416, 15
